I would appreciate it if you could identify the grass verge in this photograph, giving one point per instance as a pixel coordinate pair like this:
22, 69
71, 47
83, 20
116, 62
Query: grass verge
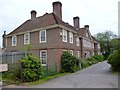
18, 82
46, 79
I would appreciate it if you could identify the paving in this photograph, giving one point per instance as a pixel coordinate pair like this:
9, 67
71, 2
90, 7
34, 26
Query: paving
95, 76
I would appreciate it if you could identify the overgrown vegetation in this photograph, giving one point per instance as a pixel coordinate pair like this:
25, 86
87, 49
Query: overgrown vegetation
114, 60
108, 42
69, 63
92, 60
31, 68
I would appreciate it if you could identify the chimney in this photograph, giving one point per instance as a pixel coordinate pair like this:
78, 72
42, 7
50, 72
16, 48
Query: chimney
4, 39
87, 27
57, 9
33, 14
76, 22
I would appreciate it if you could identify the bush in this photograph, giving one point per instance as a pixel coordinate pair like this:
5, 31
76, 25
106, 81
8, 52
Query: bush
31, 68
92, 60
98, 57
114, 60
85, 63
69, 63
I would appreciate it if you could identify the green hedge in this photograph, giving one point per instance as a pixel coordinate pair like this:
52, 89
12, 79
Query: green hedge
69, 63
114, 60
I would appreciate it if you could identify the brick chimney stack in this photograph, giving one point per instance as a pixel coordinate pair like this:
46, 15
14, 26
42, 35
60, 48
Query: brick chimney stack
33, 14
87, 27
57, 9
4, 39
76, 22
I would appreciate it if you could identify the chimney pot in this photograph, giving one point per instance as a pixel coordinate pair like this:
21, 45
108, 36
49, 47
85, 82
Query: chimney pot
86, 26
57, 9
76, 22
4, 39
33, 14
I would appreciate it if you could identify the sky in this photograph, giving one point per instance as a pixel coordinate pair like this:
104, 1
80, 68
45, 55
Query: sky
100, 15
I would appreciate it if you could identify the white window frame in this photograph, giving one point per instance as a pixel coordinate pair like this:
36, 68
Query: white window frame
13, 56
77, 41
78, 53
71, 52
40, 36
64, 50
14, 44
70, 37
64, 35
27, 42
41, 57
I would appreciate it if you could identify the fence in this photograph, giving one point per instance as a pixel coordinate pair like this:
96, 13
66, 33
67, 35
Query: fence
12, 59
49, 70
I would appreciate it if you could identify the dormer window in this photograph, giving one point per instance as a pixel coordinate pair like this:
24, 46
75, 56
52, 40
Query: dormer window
14, 40
27, 38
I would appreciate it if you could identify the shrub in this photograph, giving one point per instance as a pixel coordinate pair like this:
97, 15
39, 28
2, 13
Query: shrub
69, 63
85, 63
92, 60
98, 57
31, 68
114, 60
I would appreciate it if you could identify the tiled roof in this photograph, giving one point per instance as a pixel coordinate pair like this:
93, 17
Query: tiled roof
39, 22
81, 32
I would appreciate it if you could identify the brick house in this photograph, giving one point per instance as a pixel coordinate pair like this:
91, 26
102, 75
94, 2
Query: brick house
49, 36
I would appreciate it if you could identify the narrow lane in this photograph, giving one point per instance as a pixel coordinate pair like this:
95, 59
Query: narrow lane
96, 76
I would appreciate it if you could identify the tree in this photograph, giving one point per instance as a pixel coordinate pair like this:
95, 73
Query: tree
106, 44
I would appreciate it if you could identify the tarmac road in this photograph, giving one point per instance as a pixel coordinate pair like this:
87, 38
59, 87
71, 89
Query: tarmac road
96, 76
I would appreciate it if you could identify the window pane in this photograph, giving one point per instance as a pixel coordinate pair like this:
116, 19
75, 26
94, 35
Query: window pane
27, 38
43, 57
71, 37
42, 36
14, 41
64, 35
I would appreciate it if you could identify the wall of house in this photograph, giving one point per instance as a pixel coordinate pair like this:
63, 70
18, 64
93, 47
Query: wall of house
54, 45
88, 48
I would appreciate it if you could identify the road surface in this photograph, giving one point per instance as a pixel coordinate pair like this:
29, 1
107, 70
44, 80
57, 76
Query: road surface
95, 76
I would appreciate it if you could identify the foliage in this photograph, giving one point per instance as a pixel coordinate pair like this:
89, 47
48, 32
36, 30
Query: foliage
114, 60
69, 63
92, 60
12, 73
106, 44
115, 43
31, 68
85, 63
